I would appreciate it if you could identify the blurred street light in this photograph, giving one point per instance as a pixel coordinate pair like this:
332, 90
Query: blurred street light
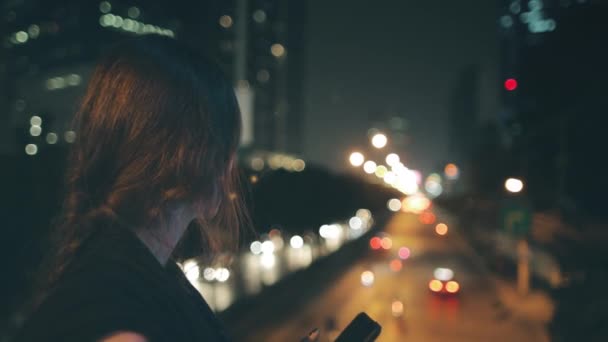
379, 140
356, 159
380, 171
369, 167
441, 229
514, 185
367, 278
451, 171
394, 204
392, 159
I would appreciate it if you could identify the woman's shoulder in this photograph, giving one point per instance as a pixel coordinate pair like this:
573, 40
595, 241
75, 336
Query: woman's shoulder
109, 286
81, 309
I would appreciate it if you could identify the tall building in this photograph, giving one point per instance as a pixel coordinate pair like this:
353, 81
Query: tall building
553, 74
49, 50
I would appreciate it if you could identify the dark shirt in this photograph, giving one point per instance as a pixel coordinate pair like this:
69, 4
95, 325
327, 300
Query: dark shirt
116, 284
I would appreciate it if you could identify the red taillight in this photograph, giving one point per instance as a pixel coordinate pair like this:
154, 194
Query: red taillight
375, 243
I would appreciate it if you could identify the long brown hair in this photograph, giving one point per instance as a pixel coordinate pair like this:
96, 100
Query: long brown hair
159, 123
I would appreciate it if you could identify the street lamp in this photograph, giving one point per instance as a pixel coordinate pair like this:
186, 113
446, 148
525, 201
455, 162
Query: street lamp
369, 167
356, 159
392, 159
379, 140
514, 185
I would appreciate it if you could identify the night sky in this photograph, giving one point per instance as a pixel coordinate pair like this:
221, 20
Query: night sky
366, 59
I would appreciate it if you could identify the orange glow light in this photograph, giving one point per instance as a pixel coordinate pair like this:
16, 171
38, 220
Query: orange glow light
441, 229
427, 217
396, 265
451, 171
452, 286
375, 243
435, 285
386, 243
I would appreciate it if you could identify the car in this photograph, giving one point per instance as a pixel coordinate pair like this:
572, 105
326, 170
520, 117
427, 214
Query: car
443, 282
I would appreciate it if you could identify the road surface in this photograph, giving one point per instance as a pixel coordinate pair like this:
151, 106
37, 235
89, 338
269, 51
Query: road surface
476, 314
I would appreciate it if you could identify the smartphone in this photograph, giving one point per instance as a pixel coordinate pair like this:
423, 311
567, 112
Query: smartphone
360, 329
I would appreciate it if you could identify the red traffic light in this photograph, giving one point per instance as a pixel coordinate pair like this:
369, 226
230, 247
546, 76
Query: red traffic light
511, 84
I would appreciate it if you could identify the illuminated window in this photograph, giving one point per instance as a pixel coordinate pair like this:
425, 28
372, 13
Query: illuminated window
31, 149
263, 76
51, 138
33, 31
21, 37
70, 136
506, 21
259, 16
35, 131
133, 12
225, 21
105, 7
73, 79
35, 120
277, 50
515, 7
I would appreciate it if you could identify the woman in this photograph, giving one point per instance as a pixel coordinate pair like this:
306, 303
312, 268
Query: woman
157, 133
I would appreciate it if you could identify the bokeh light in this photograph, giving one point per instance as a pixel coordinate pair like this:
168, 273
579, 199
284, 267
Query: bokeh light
510, 84
364, 214
451, 171
35, 131
31, 149
514, 185
268, 247
222, 274
277, 50
441, 229
397, 308
452, 286
427, 217
51, 138
356, 159
369, 167
375, 243
225, 21
35, 120
435, 285
367, 278
386, 242
394, 204
355, 223
380, 171
268, 260
396, 265
443, 274
296, 242
256, 247
404, 253
379, 140
209, 274
192, 270
392, 159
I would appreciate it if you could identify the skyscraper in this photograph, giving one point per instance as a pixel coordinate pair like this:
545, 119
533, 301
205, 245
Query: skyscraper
48, 52
553, 72
49, 49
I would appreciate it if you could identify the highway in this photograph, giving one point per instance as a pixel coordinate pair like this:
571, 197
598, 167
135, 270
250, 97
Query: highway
475, 314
